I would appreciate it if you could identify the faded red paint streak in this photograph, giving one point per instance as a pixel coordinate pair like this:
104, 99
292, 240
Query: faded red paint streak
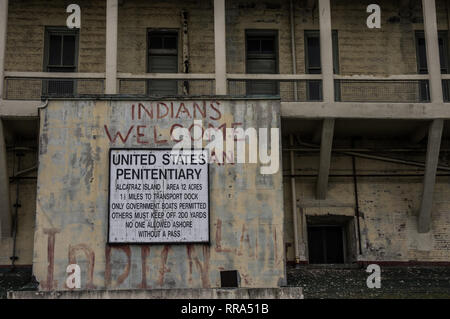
189, 255
163, 269
145, 252
90, 257
246, 278
256, 244
203, 268
219, 248
126, 249
50, 284
245, 238
275, 244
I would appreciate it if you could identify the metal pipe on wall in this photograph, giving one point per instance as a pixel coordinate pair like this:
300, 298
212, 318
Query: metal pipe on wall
185, 43
5, 212
294, 204
294, 56
376, 157
3, 32
355, 187
16, 212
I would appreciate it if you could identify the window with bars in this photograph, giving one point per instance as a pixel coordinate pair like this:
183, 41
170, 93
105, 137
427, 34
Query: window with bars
262, 58
61, 55
422, 67
314, 65
162, 58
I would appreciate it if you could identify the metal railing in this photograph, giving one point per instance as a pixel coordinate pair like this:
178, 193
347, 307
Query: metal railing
166, 87
287, 87
286, 90
35, 85
382, 91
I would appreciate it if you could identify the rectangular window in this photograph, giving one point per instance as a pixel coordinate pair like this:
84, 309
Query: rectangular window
262, 58
162, 58
61, 55
421, 50
422, 67
314, 65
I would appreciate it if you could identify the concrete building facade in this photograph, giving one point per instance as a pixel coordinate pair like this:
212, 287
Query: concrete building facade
363, 114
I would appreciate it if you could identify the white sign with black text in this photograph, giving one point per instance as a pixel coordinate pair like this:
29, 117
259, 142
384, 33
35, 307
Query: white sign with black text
158, 196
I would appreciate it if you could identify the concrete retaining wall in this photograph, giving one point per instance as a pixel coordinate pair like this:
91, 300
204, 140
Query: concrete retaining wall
246, 208
242, 293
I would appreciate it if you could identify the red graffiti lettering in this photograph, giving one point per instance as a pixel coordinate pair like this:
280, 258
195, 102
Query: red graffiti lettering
126, 249
118, 134
163, 269
90, 257
50, 284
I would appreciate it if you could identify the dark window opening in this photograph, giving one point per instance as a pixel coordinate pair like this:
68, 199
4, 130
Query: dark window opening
314, 65
61, 55
422, 67
162, 58
262, 58
326, 245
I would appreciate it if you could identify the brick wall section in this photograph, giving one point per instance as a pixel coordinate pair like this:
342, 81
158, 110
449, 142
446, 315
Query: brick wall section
388, 207
242, 15
390, 50
26, 25
135, 17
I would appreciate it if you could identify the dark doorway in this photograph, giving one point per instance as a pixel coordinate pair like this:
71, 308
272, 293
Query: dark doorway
326, 245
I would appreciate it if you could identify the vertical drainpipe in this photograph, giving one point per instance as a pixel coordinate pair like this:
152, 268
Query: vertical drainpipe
3, 31
294, 203
357, 214
17, 205
185, 42
5, 206
294, 57
448, 35
291, 153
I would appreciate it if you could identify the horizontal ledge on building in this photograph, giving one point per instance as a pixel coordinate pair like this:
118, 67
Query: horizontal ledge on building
182, 293
211, 76
125, 97
55, 75
279, 77
365, 110
396, 77
19, 108
168, 76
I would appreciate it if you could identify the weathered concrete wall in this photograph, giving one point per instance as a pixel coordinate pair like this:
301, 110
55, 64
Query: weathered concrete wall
388, 208
246, 208
240, 293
